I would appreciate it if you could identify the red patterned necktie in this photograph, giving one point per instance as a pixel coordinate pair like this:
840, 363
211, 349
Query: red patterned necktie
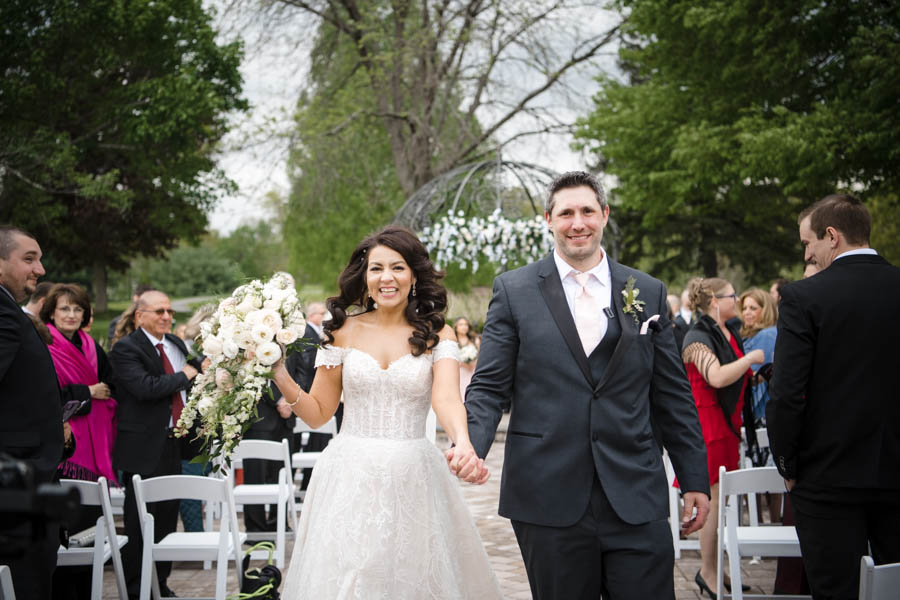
177, 403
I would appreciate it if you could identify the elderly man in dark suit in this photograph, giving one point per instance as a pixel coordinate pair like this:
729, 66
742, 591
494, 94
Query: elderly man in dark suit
31, 427
580, 346
153, 374
833, 417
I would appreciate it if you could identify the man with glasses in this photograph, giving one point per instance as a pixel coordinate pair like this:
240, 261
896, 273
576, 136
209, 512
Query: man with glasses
153, 374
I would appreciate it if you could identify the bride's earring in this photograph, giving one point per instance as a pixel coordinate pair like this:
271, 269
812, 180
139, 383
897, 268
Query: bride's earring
414, 288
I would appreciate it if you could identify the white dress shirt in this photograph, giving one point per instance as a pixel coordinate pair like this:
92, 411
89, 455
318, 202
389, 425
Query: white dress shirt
856, 252
599, 286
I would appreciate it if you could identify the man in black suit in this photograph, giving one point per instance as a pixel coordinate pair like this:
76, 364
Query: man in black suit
152, 373
586, 372
833, 417
31, 427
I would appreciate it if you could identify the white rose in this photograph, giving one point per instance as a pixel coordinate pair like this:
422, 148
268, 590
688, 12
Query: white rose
262, 334
268, 353
243, 338
204, 405
230, 349
246, 305
265, 316
286, 336
212, 346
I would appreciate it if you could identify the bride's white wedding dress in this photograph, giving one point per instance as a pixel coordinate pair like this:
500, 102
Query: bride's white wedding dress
383, 517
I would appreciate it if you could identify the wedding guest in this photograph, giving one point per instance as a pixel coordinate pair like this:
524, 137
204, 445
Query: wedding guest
152, 374
834, 419
465, 337
758, 317
84, 374
30, 412
125, 325
36, 300
683, 318
775, 290
315, 314
719, 372
114, 334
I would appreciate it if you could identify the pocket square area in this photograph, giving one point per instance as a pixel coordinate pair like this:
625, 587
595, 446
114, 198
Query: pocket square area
645, 326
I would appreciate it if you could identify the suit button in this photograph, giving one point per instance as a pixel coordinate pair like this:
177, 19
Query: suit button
596, 395
595, 436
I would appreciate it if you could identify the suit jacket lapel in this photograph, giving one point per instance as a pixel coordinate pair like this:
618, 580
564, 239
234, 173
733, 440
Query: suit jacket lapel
143, 342
555, 297
618, 277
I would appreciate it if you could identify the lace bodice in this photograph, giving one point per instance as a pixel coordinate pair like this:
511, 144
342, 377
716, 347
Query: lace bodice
386, 403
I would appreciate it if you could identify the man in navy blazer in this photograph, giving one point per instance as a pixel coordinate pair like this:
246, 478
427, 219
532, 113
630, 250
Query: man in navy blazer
31, 428
153, 372
593, 379
833, 417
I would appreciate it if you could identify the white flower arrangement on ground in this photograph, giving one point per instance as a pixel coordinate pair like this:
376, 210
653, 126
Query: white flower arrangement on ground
502, 241
250, 330
468, 353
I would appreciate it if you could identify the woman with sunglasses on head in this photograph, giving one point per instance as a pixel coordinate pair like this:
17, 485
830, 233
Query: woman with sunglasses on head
719, 372
383, 517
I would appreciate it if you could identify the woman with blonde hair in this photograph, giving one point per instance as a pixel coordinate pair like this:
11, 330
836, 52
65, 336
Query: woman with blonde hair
718, 371
758, 317
468, 350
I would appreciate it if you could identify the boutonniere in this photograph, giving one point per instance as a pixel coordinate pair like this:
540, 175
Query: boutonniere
632, 305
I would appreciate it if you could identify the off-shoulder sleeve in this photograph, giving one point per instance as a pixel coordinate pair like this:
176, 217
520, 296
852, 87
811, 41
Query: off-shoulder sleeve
445, 349
330, 356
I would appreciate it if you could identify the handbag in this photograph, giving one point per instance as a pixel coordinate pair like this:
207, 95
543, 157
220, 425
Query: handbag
259, 583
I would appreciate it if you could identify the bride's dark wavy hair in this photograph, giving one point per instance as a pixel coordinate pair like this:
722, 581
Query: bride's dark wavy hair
426, 310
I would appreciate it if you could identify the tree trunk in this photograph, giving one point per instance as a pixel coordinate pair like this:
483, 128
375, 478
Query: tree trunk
98, 283
709, 262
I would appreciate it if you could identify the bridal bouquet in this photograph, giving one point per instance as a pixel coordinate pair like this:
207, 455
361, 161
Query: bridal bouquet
251, 329
468, 353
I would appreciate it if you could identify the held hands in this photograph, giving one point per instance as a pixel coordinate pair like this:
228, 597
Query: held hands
189, 371
99, 390
691, 522
466, 465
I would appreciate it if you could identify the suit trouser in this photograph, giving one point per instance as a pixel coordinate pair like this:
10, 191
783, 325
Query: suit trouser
600, 554
32, 569
836, 533
165, 515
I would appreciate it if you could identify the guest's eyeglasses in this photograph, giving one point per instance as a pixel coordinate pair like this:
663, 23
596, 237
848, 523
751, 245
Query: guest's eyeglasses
160, 311
722, 296
75, 310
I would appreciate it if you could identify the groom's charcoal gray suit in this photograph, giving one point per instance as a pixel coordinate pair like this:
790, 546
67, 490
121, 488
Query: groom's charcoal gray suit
582, 433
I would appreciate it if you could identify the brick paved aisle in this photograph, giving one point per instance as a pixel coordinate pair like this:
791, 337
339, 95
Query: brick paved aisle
189, 579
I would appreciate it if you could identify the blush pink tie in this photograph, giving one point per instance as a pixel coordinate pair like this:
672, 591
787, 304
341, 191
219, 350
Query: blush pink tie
587, 317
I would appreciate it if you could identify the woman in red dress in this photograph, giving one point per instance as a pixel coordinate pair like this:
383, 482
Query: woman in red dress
718, 372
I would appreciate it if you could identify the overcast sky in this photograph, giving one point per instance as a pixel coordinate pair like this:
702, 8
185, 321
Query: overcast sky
274, 71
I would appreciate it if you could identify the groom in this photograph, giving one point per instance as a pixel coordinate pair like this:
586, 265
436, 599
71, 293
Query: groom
593, 382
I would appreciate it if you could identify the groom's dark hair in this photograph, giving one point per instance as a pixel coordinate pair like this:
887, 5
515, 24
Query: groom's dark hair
574, 179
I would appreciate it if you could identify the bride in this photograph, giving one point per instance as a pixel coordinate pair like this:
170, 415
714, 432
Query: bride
382, 517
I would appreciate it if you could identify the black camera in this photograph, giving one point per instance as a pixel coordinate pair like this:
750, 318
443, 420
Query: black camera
26, 509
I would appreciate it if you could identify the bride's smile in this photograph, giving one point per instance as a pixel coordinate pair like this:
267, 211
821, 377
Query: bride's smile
389, 279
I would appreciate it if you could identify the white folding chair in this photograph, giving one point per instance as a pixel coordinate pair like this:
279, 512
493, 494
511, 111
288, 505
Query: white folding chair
307, 460
280, 494
747, 541
6, 584
220, 546
106, 541
878, 583
675, 512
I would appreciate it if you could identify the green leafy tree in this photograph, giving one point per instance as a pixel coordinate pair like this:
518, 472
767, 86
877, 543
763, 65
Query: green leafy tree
109, 114
257, 249
190, 271
736, 114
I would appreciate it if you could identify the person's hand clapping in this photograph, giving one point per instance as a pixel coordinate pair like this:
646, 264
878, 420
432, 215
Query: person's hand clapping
283, 409
99, 390
189, 371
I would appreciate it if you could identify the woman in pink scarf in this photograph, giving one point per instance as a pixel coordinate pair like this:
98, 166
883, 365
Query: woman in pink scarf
82, 368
